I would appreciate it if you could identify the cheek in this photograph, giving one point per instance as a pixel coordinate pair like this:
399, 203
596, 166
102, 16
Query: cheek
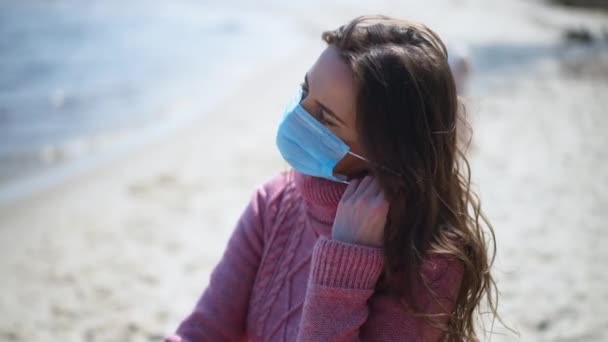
350, 166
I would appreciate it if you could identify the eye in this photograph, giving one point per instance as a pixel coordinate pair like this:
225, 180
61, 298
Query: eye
321, 115
304, 89
323, 120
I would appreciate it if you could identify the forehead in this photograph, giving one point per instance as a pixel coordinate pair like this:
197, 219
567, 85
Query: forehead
330, 68
331, 79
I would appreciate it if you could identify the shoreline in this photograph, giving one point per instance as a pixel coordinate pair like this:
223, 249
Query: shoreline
56, 178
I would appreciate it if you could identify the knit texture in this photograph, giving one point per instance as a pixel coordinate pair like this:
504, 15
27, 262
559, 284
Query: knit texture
282, 278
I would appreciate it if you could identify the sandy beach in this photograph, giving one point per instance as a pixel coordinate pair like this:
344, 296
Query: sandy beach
122, 252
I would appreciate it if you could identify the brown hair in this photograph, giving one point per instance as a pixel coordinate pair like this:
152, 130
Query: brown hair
407, 118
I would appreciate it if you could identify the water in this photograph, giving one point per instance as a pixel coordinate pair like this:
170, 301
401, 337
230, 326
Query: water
79, 79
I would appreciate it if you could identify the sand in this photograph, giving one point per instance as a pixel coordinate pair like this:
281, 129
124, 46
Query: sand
123, 251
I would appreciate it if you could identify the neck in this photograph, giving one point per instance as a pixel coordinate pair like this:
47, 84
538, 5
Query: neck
321, 195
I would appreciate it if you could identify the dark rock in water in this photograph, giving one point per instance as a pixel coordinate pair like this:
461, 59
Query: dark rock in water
590, 65
542, 325
597, 4
10, 336
579, 35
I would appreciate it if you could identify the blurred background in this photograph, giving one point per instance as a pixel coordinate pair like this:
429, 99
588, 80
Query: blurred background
132, 134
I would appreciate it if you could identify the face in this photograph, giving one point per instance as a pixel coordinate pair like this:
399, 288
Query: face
330, 96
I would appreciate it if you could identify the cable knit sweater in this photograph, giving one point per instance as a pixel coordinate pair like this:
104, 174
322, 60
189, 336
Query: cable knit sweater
282, 278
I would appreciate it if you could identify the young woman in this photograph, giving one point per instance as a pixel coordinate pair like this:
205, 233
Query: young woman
375, 234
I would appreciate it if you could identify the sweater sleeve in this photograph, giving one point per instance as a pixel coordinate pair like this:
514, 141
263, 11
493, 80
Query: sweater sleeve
341, 280
220, 313
340, 304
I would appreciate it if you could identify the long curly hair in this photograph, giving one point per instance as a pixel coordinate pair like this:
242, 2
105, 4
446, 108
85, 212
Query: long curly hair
409, 118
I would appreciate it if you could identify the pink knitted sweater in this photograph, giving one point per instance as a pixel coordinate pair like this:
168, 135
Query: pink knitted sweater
282, 278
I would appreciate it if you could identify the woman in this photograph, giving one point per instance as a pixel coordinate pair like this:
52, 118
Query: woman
375, 234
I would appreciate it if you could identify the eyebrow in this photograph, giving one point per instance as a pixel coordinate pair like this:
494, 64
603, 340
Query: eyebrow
324, 107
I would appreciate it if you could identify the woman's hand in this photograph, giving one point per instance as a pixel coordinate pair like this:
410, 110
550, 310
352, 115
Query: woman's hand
361, 214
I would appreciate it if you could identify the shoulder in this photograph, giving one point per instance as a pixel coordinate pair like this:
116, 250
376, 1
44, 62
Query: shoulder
442, 269
441, 278
434, 295
273, 199
272, 190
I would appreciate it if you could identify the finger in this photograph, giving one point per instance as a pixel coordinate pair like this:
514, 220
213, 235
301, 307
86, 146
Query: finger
375, 186
378, 202
372, 187
351, 188
380, 197
361, 188
365, 183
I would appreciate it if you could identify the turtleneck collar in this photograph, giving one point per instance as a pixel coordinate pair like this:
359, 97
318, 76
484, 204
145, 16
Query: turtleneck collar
321, 195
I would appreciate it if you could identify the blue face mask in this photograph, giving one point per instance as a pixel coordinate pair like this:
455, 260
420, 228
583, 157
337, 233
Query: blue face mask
307, 145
